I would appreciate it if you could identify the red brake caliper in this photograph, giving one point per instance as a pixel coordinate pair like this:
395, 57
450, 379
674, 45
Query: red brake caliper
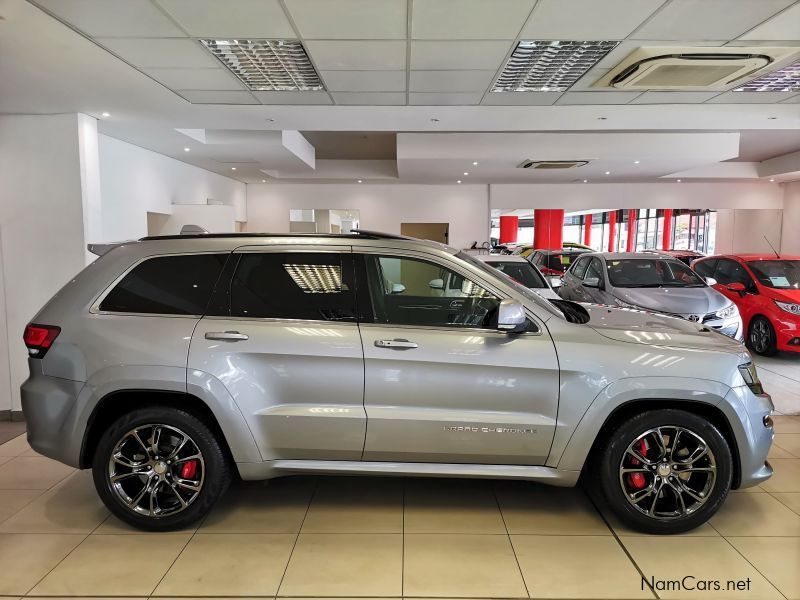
637, 480
189, 469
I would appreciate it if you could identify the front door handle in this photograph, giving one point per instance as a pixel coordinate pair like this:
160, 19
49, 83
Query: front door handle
227, 336
396, 343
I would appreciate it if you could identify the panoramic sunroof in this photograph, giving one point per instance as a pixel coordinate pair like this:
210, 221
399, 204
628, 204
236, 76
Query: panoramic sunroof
549, 66
786, 79
267, 65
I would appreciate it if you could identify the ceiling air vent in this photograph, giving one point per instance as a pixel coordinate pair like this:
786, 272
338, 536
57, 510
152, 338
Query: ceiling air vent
690, 68
267, 65
551, 164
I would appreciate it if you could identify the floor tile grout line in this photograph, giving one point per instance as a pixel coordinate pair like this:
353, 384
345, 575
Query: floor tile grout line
747, 560
177, 556
510, 541
621, 545
297, 537
784, 504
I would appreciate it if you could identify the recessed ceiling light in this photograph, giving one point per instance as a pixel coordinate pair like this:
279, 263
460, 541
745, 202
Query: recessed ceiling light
233, 168
268, 120
772, 181
105, 114
475, 163
585, 181
636, 162
267, 65
679, 180
359, 181
549, 66
434, 120
187, 149
263, 181
458, 181
466, 173
608, 172
602, 118
771, 118
786, 79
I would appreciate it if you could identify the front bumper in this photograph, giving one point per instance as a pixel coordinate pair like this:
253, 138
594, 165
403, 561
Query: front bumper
49, 405
787, 332
746, 413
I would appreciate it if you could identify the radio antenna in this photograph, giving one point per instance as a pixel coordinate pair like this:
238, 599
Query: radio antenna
773, 247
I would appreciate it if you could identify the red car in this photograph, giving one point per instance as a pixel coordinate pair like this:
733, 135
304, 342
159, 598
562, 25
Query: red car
766, 288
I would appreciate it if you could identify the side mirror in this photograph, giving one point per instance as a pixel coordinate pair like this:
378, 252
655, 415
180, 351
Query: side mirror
398, 288
555, 282
592, 282
710, 281
436, 284
737, 287
511, 316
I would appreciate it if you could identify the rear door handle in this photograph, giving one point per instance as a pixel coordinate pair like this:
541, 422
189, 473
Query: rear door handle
397, 343
227, 336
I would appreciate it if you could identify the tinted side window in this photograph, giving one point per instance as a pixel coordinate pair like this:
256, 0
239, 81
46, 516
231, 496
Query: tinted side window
705, 268
579, 268
409, 291
537, 259
729, 271
174, 285
293, 285
595, 270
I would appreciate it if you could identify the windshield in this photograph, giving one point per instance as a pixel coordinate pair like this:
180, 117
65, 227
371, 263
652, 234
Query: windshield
651, 272
523, 272
778, 274
557, 264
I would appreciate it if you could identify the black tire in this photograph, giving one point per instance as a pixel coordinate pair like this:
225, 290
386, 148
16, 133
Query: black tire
761, 337
214, 478
609, 481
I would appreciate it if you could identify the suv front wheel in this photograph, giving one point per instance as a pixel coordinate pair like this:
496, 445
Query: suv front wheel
160, 468
665, 471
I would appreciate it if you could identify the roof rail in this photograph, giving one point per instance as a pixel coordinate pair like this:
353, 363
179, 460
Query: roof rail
353, 235
380, 234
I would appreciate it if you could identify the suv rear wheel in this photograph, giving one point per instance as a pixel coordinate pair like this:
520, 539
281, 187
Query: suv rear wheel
665, 471
160, 468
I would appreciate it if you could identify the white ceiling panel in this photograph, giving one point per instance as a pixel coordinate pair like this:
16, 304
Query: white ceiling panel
597, 97
444, 99
708, 19
149, 54
217, 97
196, 79
261, 19
751, 97
783, 26
369, 98
468, 19
487, 55
450, 81
793, 100
357, 56
349, 19
521, 98
673, 97
365, 81
587, 19
114, 18
293, 97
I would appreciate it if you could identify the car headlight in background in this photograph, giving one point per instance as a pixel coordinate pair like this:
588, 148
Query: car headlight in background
750, 376
727, 312
790, 307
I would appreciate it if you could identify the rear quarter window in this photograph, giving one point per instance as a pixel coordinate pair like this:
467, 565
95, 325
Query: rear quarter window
172, 285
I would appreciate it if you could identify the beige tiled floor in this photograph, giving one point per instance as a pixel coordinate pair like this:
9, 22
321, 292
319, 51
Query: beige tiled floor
389, 538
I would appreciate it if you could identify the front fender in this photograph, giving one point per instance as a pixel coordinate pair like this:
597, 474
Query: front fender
572, 454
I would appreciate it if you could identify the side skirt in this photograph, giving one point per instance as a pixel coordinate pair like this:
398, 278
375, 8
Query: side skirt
278, 468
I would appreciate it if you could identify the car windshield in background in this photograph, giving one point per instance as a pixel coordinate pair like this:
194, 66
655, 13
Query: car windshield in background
779, 274
651, 272
522, 272
559, 262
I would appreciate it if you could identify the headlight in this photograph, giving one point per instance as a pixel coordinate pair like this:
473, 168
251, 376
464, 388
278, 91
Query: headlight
727, 312
624, 304
750, 376
789, 307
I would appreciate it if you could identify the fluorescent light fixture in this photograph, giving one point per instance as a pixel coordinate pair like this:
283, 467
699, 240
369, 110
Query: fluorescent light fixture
786, 79
316, 279
267, 65
549, 66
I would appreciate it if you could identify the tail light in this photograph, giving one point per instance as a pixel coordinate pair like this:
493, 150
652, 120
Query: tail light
39, 338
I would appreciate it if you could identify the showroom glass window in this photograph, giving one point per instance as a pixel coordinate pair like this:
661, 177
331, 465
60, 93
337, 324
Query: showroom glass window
415, 292
293, 285
172, 285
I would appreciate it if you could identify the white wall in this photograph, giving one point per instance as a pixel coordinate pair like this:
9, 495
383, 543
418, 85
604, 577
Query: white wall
135, 181
215, 218
41, 227
381, 207
790, 243
747, 230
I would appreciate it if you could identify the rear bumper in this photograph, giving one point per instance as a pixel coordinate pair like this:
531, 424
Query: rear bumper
49, 405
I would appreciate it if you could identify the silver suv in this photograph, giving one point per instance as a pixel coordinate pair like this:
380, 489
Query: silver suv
172, 363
